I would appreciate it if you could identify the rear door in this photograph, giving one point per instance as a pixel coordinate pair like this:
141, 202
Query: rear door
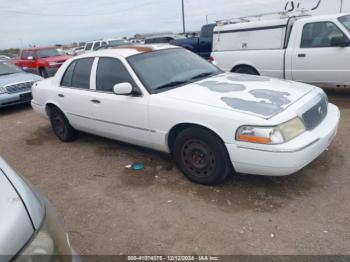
315, 60
120, 117
75, 95
28, 65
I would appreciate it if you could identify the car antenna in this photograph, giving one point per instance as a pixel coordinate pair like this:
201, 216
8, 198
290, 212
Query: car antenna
317, 6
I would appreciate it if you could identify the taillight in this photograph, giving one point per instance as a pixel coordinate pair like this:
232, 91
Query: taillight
211, 59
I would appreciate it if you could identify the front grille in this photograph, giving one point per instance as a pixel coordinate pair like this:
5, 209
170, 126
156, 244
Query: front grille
316, 114
20, 87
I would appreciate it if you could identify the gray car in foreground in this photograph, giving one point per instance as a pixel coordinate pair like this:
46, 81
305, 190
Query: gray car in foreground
15, 84
30, 228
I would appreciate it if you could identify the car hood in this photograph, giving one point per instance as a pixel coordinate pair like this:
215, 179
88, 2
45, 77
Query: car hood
255, 95
15, 224
61, 58
17, 78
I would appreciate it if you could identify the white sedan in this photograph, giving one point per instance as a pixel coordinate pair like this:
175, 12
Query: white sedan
169, 99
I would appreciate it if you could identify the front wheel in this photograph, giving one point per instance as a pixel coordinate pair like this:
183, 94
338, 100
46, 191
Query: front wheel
61, 127
202, 156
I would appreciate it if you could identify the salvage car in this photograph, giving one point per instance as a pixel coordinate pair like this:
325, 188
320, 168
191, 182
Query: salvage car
15, 84
169, 99
30, 229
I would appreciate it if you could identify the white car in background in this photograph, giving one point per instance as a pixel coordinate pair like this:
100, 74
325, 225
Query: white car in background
295, 46
169, 99
95, 45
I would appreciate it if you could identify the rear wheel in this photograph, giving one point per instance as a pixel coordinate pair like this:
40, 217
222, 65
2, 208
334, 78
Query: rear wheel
61, 127
202, 156
246, 70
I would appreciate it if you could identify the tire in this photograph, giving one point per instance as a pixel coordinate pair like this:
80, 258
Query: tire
61, 127
201, 156
43, 73
246, 70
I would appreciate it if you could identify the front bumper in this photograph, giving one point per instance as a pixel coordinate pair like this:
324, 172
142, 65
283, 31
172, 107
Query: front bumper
15, 99
286, 159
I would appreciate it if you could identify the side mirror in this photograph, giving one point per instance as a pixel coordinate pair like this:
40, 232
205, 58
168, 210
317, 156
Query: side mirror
341, 41
123, 89
30, 58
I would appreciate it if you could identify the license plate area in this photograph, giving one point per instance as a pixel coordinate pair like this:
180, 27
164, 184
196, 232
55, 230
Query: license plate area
26, 97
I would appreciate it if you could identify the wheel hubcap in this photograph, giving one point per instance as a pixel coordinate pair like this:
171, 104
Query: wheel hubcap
198, 158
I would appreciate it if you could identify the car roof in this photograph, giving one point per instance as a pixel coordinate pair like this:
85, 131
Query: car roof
130, 50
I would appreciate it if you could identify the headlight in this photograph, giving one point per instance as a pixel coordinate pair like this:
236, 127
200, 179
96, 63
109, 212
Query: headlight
271, 135
3, 90
50, 242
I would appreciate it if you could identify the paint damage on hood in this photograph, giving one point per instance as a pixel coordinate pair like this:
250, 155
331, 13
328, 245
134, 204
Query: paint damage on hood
255, 95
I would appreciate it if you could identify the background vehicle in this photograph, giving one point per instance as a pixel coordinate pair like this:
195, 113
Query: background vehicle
161, 39
296, 46
176, 102
29, 225
201, 45
95, 45
15, 84
44, 61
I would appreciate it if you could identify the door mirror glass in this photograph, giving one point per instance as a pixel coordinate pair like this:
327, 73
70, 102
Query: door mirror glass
30, 58
341, 41
123, 89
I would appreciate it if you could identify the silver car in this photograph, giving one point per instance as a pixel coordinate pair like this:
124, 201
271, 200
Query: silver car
15, 84
29, 226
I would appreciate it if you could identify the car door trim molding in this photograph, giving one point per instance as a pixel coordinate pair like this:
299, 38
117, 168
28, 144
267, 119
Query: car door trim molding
114, 123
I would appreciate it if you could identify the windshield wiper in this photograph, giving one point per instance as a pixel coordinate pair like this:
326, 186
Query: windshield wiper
4, 74
171, 84
202, 75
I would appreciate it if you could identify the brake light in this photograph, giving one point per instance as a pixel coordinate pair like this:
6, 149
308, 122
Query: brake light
211, 59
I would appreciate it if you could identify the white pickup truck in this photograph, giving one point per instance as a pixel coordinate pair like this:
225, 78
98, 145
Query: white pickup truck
296, 46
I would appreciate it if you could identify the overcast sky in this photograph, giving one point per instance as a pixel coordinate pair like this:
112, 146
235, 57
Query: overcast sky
44, 22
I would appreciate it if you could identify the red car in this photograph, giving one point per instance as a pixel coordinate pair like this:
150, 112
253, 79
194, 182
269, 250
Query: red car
43, 61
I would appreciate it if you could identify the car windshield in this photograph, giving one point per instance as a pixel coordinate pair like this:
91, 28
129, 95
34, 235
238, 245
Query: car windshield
6, 68
345, 20
42, 53
170, 68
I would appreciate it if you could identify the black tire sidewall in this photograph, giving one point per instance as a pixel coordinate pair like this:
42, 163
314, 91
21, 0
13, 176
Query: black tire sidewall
70, 133
43, 72
223, 165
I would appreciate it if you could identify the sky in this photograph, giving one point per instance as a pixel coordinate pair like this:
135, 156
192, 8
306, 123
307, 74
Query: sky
43, 22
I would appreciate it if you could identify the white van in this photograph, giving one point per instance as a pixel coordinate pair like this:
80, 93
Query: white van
295, 46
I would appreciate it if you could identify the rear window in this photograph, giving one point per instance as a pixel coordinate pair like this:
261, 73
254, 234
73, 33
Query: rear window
88, 46
78, 74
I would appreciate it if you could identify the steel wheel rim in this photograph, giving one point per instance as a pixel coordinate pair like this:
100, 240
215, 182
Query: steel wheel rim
58, 125
198, 158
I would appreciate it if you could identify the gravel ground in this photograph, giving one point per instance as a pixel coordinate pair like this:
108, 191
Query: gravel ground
110, 210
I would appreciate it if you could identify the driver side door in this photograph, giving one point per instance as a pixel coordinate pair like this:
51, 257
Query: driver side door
316, 61
120, 117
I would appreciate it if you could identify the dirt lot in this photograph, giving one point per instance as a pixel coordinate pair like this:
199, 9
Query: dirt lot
110, 210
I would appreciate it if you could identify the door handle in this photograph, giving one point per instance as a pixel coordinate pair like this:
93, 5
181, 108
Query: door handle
301, 55
95, 101
60, 95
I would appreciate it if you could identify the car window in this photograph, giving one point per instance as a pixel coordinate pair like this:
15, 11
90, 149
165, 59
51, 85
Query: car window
319, 34
26, 53
81, 73
67, 77
88, 46
345, 20
97, 45
207, 31
111, 71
